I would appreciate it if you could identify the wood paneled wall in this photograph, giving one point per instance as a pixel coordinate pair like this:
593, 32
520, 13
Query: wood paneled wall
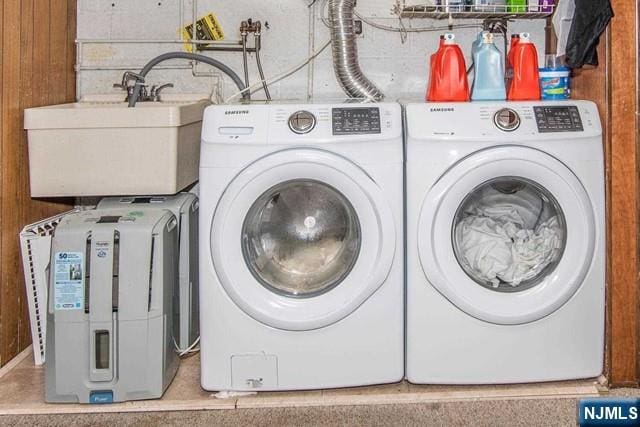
37, 56
624, 297
613, 86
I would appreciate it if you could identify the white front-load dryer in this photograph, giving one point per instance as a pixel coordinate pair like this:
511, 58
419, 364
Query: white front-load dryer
301, 246
505, 242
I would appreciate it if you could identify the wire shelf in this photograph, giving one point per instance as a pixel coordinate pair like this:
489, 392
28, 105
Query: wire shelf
451, 11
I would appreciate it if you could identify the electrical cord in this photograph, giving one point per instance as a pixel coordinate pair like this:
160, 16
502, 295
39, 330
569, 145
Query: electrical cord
404, 29
189, 350
401, 29
280, 77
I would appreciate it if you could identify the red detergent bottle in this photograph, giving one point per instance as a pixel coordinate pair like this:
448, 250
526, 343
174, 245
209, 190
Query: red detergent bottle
448, 78
435, 54
525, 83
515, 38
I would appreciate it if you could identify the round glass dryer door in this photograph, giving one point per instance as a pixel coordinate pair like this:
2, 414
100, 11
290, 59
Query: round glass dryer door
301, 238
509, 234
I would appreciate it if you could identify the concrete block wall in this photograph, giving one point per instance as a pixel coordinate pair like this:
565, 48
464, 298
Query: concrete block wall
398, 67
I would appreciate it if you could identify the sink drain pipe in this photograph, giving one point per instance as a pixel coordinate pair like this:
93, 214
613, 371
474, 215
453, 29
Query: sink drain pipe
190, 56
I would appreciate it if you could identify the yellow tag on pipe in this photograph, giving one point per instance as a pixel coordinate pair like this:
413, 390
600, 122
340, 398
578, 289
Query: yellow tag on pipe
207, 28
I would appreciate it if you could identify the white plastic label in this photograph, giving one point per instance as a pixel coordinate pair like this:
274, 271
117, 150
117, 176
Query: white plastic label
69, 281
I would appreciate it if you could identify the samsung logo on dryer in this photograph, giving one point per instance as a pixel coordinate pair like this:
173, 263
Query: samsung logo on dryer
442, 110
235, 112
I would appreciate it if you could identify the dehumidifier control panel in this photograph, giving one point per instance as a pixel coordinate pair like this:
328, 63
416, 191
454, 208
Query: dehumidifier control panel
558, 119
354, 121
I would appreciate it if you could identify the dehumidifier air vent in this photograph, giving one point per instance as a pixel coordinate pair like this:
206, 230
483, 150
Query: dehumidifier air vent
35, 243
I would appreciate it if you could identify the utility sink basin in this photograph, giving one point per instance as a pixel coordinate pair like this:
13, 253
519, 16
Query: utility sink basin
104, 148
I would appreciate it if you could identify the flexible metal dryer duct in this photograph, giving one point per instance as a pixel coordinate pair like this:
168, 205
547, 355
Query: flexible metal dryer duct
345, 52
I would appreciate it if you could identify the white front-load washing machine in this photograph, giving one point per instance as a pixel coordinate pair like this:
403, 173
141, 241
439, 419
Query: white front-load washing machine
505, 242
301, 246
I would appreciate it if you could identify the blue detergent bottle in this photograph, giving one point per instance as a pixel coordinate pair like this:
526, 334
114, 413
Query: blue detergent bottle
474, 48
477, 43
488, 78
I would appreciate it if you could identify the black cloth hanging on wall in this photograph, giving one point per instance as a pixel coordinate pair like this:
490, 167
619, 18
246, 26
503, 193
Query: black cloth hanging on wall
589, 22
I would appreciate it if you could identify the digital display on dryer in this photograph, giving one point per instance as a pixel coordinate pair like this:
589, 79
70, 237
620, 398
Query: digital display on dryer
558, 119
355, 121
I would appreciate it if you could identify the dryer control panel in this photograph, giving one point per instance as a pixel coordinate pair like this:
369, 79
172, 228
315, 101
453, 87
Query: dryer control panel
513, 122
357, 120
558, 119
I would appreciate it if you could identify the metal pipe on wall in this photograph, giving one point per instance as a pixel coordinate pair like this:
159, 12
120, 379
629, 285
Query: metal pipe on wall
312, 49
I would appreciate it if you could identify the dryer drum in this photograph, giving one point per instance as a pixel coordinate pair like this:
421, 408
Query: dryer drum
509, 234
301, 238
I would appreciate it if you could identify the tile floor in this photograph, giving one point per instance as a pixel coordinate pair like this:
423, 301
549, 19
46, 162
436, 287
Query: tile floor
22, 403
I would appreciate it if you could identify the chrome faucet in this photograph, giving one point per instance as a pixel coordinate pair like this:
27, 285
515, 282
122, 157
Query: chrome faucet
131, 81
154, 95
127, 77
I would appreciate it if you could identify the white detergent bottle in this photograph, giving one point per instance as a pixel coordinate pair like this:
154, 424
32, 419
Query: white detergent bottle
488, 78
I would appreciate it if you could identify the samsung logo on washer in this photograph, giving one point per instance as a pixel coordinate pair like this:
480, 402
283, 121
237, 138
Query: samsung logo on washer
442, 110
235, 112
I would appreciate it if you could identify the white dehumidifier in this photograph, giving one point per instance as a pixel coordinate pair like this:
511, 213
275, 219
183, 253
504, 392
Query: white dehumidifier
110, 308
185, 208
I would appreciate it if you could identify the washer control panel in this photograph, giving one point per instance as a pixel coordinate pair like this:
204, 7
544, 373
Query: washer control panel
558, 119
356, 120
507, 120
302, 122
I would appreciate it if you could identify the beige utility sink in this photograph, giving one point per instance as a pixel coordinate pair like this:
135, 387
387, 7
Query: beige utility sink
102, 148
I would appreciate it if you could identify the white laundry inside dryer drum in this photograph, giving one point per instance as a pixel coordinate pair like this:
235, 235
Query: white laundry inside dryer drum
509, 234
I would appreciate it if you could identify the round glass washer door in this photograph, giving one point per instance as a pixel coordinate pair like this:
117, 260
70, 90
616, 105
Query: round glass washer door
476, 272
509, 234
301, 238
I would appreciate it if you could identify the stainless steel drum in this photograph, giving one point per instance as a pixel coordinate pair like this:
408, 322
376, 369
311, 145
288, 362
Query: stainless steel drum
301, 238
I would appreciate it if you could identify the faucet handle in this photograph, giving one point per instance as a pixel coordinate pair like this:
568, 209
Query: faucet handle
154, 95
128, 76
131, 88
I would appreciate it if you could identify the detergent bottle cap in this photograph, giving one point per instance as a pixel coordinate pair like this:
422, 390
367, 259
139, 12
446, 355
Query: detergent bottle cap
515, 36
449, 38
525, 38
487, 38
